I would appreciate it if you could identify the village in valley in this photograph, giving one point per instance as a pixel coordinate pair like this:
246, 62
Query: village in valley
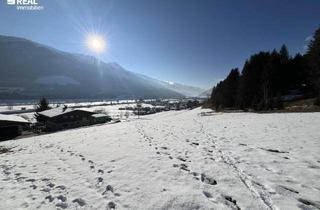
29, 120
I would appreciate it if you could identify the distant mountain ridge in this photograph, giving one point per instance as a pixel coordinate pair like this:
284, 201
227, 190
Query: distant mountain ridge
183, 89
206, 94
32, 70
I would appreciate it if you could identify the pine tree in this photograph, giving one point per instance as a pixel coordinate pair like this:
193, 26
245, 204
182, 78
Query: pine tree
42, 106
224, 94
230, 89
298, 73
255, 82
284, 52
313, 58
266, 77
284, 70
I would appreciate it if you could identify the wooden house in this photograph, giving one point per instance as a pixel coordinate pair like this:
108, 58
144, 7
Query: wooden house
65, 118
12, 126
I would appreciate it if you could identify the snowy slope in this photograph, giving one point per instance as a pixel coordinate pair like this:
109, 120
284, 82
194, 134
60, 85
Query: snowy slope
171, 160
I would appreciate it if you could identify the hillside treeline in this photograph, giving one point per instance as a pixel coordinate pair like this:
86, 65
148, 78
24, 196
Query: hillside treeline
268, 76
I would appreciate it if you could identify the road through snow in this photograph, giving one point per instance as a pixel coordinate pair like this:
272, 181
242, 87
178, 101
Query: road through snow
172, 160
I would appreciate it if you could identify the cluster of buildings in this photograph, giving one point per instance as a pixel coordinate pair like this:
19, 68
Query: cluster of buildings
154, 106
175, 104
61, 118
55, 119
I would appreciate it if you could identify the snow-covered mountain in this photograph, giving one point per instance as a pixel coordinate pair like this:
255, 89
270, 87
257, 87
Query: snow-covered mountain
206, 94
31, 70
183, 89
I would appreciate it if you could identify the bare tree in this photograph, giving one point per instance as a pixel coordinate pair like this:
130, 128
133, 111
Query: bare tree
127, 114
138, 108
10, 107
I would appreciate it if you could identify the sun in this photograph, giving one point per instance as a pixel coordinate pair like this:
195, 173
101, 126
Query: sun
96, 43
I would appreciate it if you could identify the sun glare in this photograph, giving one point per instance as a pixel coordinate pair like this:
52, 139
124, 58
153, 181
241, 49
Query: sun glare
96, 43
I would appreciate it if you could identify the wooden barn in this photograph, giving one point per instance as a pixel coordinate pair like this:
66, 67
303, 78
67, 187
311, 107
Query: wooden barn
12, 126
65, 118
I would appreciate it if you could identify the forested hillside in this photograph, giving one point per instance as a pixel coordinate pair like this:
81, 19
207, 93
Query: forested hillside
269, 78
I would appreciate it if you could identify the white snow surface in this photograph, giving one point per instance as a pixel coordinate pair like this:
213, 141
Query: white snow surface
172, 160
12, 118
57, 111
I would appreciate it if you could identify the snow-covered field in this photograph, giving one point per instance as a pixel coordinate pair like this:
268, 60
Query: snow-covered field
171, 160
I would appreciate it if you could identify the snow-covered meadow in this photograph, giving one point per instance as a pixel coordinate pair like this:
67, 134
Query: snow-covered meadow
172, 160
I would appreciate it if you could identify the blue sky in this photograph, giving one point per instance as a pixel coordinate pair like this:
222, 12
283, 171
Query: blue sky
194, 42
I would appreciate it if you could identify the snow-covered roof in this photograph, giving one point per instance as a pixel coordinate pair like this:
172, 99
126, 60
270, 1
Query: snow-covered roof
99, 115
160, 107
58, 111
143, 105
12, 118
